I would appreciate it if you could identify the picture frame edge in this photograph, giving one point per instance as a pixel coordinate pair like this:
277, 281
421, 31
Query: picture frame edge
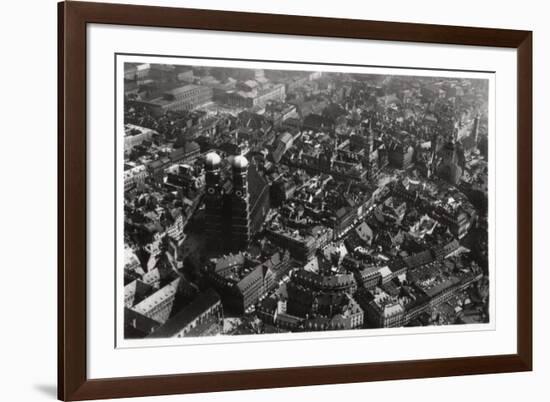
72, 380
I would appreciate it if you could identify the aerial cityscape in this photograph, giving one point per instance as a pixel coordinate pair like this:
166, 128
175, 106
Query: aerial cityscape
263, 201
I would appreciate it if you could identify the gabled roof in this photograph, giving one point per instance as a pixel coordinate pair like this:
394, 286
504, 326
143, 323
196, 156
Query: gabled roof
183, 318
136, 291
166, 292
137, 325
257, 274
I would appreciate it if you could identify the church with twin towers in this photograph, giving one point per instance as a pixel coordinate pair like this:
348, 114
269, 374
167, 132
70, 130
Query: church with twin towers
236, 201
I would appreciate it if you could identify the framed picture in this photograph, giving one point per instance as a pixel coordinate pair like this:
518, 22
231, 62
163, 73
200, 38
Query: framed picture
253, 200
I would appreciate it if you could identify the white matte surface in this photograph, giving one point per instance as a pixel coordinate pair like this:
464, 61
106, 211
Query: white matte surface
104, 360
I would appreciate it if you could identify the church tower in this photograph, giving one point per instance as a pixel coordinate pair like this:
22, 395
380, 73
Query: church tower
448, 152
370, 139
240, 231
370, 157
213, 197
475, 130
449, 169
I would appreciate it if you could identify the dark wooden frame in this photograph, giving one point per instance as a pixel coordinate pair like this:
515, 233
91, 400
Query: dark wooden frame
73, 383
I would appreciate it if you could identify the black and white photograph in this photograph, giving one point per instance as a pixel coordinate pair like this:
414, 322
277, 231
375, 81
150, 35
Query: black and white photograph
275, 201
303, 199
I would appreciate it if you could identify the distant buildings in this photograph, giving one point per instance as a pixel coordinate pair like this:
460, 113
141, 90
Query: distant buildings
459, 221
282, 144
329, 161
134, 176
301, 245
324, 303
252, 95
135, 135
400, 155
142, 73
187, 97
340, 282
471, 140
186, 153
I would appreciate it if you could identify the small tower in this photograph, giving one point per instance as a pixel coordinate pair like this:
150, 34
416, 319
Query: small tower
455, 131
433, 157
367, 136
475, 129
370, 140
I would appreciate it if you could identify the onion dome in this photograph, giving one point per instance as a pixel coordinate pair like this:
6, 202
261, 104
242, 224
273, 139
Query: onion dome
240, 162
213, 160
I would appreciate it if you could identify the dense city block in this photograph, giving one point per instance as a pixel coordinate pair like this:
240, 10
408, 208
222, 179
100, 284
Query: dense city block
262, 201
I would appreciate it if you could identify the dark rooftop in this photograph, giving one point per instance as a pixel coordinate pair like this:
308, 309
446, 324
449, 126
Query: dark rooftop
179, 321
